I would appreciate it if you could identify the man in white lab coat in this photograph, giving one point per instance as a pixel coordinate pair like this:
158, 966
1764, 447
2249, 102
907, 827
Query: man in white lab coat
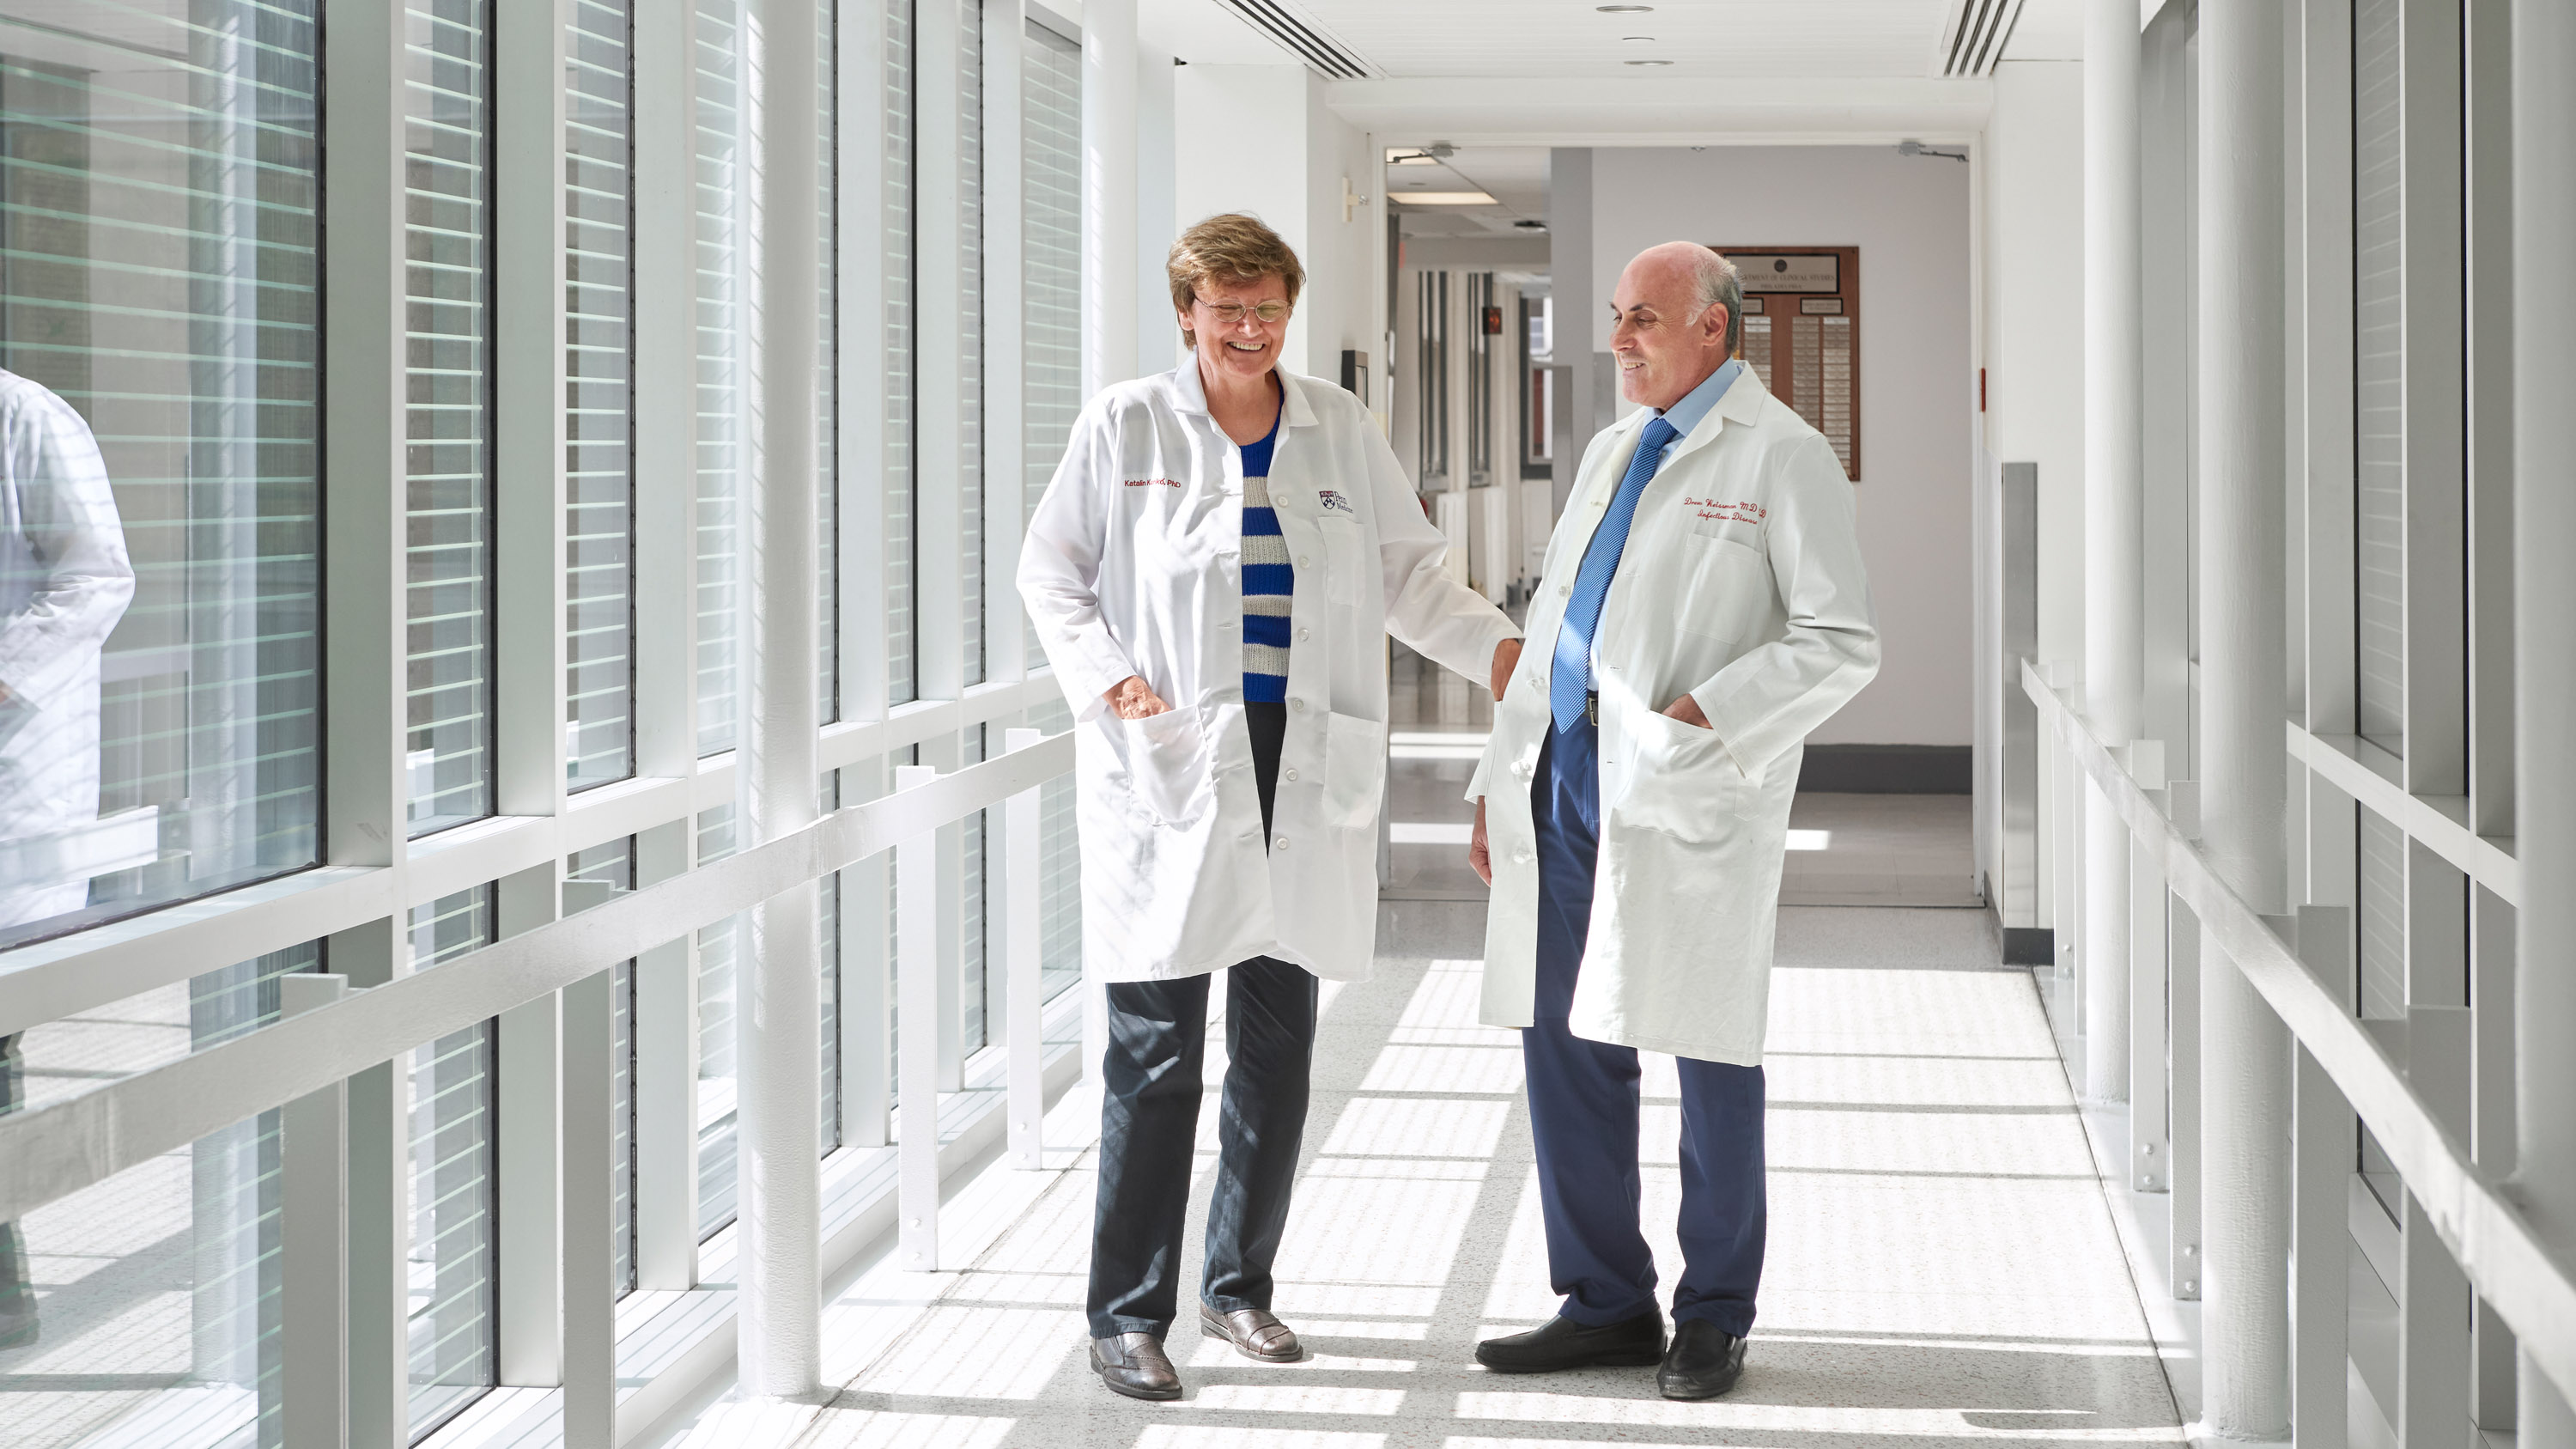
64, 582
1702, 609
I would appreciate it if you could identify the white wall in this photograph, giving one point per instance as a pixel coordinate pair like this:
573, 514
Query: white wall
1910, 219
1258, 139
2034, 334
1158, 342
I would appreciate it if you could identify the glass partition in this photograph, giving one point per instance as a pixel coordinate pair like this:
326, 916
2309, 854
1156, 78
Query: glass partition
159, 336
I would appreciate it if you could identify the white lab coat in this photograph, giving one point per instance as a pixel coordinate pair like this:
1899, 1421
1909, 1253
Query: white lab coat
1741, 583
64, 582
1132, 566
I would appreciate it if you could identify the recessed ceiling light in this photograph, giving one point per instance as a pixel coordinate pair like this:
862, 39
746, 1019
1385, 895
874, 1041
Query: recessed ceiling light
1638, 39
1624, 9
1446, 198
1645, 62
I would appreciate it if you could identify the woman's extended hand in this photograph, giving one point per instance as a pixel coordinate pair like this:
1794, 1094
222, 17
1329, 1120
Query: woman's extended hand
1477, 855
1133, 698
1507, 657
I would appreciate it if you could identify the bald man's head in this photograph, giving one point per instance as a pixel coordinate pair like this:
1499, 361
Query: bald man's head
1675, 321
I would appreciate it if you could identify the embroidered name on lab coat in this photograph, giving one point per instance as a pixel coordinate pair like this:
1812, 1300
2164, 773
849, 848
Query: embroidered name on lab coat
1710, 508
1153, 482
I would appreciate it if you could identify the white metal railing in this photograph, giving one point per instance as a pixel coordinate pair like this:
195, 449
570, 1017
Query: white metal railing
58, 1149
2528, 1284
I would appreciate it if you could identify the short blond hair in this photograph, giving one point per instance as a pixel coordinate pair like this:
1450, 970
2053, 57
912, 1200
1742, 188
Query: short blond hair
1231, 247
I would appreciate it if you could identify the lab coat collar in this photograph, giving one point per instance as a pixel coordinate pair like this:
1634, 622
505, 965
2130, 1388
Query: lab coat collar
1742, 403
1189, 394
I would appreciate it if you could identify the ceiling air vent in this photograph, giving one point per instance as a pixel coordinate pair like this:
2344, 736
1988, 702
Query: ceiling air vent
1976, 35
1301, 37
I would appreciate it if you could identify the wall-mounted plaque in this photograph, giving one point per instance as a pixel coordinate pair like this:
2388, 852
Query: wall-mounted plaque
1809, 356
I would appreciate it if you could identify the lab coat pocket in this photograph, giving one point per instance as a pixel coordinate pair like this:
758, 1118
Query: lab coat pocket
1725, 585
1354, 771
1167, 765
1683, 782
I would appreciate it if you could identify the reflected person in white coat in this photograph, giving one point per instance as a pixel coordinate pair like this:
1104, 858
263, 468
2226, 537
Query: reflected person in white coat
1213, 573
1704, 608
64, 582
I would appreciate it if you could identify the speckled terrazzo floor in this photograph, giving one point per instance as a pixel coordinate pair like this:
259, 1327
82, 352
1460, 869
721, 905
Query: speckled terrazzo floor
1942, 1265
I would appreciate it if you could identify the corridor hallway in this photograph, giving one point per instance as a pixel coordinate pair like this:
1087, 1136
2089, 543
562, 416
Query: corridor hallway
1942, 1264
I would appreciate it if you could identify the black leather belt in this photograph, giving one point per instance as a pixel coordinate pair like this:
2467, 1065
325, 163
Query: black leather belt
1592, 707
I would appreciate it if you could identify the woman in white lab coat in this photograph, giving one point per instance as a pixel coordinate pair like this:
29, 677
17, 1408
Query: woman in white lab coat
1213, 572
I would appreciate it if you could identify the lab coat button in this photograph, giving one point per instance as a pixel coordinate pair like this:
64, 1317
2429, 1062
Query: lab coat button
1289, 775
1520, 857
1283, 842
1303, 561
1305, 634
1565, 591
1297, 704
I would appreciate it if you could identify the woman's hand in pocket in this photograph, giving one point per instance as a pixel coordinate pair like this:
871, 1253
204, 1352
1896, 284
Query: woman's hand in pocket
1133, 698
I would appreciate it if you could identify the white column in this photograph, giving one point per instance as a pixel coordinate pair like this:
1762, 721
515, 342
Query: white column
2245, 1052
2114, 517
779, 1057
313, 1233
1108, 193
1109, 297
2544, 223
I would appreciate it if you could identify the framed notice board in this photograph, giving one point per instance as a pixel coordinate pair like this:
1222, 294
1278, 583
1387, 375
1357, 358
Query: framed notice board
1802, 335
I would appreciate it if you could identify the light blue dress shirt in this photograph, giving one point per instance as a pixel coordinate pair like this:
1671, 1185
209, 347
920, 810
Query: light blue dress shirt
1685, 415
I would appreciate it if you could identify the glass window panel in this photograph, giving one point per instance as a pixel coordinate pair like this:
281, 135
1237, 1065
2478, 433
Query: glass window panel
447, 106
1059, 869
1051, 254
451, 1273
900, 674
827, 631
975, 987
159, 336
599, 395
970, 334
2383, 917
718, 189
718, 947
2379, 369
147, 1304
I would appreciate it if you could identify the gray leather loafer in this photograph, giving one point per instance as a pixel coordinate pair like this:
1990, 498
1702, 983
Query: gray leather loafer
1134, 1364
1254, 1332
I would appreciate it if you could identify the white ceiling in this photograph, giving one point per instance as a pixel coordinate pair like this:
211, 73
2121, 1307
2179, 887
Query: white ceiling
1515, 176
1570, 38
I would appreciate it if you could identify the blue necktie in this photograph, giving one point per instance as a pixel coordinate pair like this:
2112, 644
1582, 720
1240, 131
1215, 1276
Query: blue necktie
1571, 678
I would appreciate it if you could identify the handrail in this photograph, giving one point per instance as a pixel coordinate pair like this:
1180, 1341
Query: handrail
61, 1148
47, 980
2530, 1285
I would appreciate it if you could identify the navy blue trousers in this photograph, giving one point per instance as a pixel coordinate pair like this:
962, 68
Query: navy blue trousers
1583, 1105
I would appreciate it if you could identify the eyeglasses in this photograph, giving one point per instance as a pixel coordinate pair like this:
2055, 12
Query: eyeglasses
1230, 313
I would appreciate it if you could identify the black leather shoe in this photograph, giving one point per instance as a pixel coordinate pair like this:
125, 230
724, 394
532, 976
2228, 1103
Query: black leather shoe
1134, 1364
1562, 1343
1705, 1361
1254, 1332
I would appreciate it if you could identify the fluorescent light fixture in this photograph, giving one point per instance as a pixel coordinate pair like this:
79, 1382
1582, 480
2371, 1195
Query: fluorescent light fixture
1811, 840
1624, 9
1645, 62
1444, 198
